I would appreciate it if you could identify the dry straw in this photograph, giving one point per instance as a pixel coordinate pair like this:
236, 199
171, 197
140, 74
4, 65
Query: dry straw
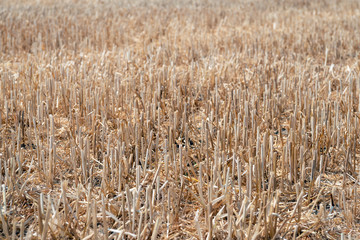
179, 120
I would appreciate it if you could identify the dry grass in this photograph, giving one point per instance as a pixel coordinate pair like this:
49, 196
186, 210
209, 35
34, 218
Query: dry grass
199, 119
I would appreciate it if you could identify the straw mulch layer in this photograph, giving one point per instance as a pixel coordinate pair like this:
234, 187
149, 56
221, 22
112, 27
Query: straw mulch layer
179, 119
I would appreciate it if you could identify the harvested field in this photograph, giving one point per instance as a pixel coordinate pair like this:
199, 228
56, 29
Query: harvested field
179, 119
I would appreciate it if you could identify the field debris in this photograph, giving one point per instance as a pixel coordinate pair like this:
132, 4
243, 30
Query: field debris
179, 119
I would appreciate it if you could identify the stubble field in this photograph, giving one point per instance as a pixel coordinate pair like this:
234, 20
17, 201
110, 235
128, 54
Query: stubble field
179, 120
